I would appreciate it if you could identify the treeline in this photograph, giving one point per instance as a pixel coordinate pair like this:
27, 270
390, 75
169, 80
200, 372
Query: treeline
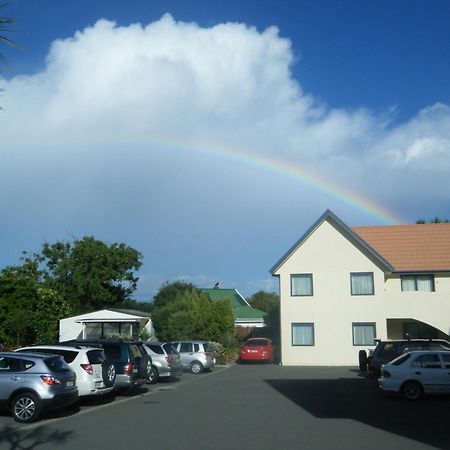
71, 278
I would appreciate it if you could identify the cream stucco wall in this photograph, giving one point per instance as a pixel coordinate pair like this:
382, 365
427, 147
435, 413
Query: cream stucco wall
331, 257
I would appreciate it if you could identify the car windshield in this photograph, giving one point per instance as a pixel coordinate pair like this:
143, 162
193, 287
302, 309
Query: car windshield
170, 349
57, 364
257, 342
401, 359
156, 348
207, 348
96, 356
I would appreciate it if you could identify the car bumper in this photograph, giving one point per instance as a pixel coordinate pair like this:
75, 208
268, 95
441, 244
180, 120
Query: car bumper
61, 400
173, 371
255, 357
387, 384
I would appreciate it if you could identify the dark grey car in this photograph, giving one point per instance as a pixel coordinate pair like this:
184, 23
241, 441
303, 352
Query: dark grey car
31, 383
386, 351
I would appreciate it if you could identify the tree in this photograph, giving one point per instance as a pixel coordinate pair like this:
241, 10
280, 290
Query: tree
264, 301
18, 296
435, 220
89, 274
182, 311
5, 23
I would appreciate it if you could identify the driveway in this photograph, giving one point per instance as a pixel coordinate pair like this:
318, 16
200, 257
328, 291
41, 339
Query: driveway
246, 407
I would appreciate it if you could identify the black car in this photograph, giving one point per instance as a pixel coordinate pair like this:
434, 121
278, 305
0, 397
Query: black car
133, 364
386, 351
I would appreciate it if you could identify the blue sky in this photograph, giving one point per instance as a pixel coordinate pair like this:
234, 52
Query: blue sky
211, 135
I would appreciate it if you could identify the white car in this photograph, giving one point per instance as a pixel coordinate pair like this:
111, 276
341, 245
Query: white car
415, 373
95, 375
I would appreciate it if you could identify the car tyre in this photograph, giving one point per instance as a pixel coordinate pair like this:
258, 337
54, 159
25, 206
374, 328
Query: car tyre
362, 358
412, 390
196, 367
154, 375
26, 407
109, 374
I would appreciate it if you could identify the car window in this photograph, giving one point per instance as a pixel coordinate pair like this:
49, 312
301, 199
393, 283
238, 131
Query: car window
196, 347
96, 356
57, 364
14, 364
135, 351
156, 348
112, 351
169, 348
446, 359
401, 359
430, 361
390, 350
207, 348
186, 347
257, 342
68, 355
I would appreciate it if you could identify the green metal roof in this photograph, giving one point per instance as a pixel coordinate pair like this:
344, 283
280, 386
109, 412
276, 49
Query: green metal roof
241, 309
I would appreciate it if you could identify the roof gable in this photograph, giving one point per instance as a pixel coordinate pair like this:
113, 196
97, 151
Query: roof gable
347, 232
239, 306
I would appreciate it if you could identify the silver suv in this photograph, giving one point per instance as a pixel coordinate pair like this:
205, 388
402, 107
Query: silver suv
31, 383
166, 361
95, 375
197, 356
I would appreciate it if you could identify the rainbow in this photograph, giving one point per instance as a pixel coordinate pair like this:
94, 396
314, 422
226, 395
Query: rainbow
284, 168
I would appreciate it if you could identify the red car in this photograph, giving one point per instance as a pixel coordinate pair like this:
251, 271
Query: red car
257, 349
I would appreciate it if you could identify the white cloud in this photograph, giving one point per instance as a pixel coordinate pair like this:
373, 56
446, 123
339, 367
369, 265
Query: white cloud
81, 141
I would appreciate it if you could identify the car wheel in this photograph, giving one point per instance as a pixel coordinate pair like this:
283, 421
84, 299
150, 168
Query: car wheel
154, 375
412, 390
362, 358
109, 374
26, 407
196, 367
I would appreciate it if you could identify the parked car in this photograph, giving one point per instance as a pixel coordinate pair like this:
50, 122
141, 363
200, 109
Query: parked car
257, 349
166, 361
130, 359
388, 350
95, 375
417, 372
33, 383
197, 356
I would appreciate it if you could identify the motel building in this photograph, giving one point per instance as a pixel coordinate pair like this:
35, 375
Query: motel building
341, 287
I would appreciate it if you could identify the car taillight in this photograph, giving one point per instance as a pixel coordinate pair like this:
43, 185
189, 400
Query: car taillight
128, 369
47, 379
169, 359
88, 368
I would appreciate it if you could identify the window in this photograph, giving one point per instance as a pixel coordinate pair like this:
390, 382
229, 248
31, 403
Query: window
302, 285
430, 361
424, 283
362, 283
363, 333
185, 347
303, 334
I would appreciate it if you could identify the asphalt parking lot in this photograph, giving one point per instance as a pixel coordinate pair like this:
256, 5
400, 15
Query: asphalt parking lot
245, 407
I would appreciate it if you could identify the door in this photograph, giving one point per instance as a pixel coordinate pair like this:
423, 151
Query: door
446, 372
428, 369
186, 353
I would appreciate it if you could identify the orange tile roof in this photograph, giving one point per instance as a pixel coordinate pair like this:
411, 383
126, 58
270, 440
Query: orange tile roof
418, 247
